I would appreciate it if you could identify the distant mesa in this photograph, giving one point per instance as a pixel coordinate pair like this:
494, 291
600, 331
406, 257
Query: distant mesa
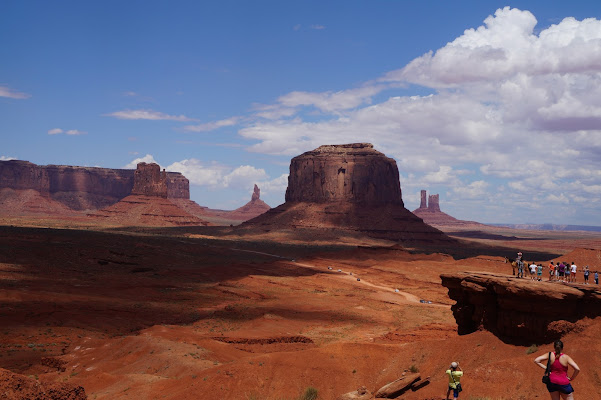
73, 188
350, 188
149, 202
429, 211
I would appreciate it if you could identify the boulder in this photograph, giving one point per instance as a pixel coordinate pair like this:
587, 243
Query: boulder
398, 387
517, 310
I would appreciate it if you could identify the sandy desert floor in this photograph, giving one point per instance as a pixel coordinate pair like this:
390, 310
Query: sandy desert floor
176, 314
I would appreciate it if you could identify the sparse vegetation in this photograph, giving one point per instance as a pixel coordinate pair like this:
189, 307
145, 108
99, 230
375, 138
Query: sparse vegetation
532, 349
309, 394
413, 369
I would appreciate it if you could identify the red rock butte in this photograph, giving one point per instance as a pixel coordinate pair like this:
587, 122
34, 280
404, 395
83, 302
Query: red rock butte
350, 187
429, 211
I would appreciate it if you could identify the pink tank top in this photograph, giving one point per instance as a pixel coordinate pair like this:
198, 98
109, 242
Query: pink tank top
559, 373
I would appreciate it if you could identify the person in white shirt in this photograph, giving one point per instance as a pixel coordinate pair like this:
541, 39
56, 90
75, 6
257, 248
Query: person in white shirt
533, 271
573, 275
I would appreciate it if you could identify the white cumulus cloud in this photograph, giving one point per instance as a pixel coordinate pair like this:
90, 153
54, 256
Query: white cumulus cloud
13, 94
148, 158
147, 115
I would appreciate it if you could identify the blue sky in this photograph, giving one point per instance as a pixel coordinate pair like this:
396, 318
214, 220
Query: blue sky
493, 105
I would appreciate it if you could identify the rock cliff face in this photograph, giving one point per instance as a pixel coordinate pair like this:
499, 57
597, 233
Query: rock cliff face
80, 188
433, 203
150, 181
519, 311
353, 173
348, 188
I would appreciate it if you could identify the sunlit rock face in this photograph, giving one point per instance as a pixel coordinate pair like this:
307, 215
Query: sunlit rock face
354, 173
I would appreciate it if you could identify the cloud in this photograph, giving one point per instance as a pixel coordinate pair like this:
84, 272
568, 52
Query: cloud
212, 125
6, 158
71, 132
75, 132
12, 94
516, 109
148, 158
147, 115
318, 27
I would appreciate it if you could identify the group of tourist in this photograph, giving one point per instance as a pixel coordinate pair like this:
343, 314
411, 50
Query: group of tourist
559, 272
555, 363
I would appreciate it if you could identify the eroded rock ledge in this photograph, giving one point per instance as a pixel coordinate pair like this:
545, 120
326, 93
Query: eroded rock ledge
519, 311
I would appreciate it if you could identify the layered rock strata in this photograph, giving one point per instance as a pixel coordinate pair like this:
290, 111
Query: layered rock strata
517, 310
352, 188
80, 188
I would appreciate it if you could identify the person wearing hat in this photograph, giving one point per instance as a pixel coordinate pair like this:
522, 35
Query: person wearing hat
455, 373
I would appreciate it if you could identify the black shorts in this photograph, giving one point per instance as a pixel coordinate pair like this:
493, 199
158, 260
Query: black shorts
565, 389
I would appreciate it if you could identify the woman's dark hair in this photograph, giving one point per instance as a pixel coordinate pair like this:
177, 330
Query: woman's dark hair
558, 345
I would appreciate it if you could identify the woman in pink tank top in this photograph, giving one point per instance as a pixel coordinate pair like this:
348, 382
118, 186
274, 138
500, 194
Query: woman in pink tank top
560, 384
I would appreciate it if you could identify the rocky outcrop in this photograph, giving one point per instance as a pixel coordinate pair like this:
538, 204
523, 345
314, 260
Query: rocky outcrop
351, 189
517, 310
252, 209
150, 181
431, 214
352, 173
18, 387
433, 205
80, 188
403, 384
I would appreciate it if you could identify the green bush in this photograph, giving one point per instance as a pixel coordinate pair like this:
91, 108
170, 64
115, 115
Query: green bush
413, 369
532, 349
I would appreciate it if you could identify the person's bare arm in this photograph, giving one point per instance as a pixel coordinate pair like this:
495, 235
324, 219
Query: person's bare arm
538, 360
573, 364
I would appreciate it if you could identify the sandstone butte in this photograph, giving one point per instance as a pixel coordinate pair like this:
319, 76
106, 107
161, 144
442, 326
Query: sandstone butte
252, 209
349, 188
148, 203
429, 211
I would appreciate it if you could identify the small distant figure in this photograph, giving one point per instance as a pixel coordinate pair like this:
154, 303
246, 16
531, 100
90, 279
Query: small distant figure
514, 264
539, 272
562, 271
573, 274
586, 274
532, 271
596, 277
455, 373
567, 271
520, 268
560, 384
551, 271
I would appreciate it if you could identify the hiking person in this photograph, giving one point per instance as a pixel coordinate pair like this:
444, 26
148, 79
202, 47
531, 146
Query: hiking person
559, 363
567, 272
586, 274
455, 373
596, 277
562, 270
539, 272
551, 271
520, 268
533, 271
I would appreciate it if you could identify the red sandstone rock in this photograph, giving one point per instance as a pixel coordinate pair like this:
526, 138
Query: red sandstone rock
398, 387
80, 188
430, 213
150, 181
519, 310
19, 387
347, 188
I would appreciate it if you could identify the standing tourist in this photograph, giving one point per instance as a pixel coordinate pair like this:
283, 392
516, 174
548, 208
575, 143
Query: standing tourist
562, 270
596, 277
539, 272
573, 275
533, 271
567, 271
551, 271
560, 383
455, 373
586, 273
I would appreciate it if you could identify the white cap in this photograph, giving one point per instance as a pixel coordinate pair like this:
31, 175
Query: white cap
454, 364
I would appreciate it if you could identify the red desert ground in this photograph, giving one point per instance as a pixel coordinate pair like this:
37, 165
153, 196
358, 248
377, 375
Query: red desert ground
115, 285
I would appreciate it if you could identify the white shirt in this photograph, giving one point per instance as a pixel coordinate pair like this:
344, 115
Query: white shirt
573, 268
533, 268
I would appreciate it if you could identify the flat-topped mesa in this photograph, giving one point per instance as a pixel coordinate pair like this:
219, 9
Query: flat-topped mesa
354, 173
150, 181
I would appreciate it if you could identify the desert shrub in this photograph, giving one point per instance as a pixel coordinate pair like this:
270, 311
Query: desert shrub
532, 349
413, 369
310, 394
